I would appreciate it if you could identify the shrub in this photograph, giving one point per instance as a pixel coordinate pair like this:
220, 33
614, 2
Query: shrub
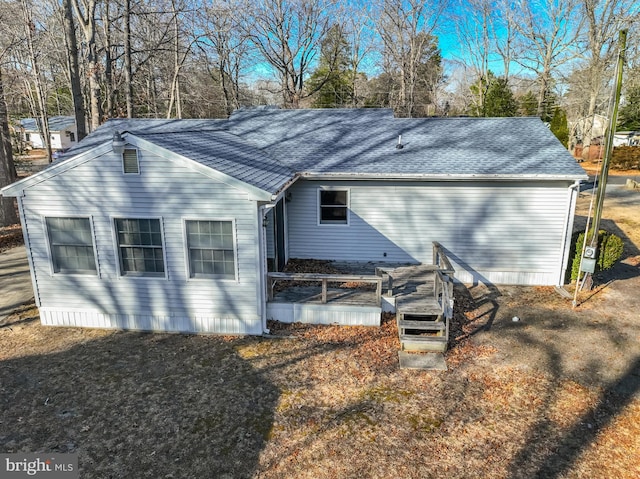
625, 157
610, 248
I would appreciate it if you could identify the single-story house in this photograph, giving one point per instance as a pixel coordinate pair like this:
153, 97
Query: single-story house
626, 138
63, 131
169, 224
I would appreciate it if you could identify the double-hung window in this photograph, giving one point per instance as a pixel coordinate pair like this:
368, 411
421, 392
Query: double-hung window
71, 245
140, 246
211, 249
333, 205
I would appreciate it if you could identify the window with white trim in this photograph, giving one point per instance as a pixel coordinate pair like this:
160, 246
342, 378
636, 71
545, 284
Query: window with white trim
140, 247
130, 163
71, 245
333, 207
211, 249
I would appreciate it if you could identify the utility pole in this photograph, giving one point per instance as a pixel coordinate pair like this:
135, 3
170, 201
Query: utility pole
592, 241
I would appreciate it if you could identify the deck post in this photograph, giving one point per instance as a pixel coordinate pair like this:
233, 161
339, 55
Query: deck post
324, 290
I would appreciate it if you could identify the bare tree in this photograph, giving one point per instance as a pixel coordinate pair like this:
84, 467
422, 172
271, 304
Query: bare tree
8, 39
604, 19
287, 33
180, 55
39, 103
473, 25
548, 32
504, 33
358, 30
128, 71
71, 44
85, 11
406, 28
229, 44
7, 169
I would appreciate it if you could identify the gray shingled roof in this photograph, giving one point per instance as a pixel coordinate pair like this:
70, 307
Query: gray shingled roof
136, 126
204, 141
226, 153
56, 123
364, 142
266, 147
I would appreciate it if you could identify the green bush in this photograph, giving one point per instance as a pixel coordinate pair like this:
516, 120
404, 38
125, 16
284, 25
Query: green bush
610, 248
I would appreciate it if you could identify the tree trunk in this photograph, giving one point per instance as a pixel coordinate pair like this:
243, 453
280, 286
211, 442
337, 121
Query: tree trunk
87, 19
74, 70
110, 92
128, 86
41, 114
7, 169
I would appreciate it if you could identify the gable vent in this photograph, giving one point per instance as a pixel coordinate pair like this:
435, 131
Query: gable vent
130, 161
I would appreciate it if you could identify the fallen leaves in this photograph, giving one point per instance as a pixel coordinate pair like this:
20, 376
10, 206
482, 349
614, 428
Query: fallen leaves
10, 237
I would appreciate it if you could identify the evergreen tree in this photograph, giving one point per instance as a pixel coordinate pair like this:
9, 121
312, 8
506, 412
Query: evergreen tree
498, 99
332, 77
629, 115
528, 104
559, 126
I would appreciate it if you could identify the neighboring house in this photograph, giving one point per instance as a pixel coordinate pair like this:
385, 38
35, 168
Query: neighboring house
62, 129
626, 138
174, 233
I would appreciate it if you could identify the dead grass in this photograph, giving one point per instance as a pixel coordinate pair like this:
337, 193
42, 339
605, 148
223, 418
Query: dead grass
314, 402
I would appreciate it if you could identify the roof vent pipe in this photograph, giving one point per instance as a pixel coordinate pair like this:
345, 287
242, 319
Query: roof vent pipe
399, 146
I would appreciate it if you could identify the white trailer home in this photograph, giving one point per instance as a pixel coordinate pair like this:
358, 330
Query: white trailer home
63, 131
171, 229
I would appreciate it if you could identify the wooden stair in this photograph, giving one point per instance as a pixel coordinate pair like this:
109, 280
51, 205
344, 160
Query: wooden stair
422, 332
424, 303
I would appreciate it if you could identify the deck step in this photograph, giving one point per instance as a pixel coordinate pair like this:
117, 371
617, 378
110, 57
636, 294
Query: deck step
434, 339
423, 343
422, 325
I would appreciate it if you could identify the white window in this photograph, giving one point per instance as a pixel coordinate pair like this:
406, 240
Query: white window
211, 249
130, 161
140, 248
71, 245
333, 206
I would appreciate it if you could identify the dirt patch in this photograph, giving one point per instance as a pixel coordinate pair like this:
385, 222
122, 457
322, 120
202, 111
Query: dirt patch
594, 167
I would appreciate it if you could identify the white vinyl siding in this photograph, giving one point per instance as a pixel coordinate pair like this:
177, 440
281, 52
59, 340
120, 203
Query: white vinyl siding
140, 250
211, 249
71, 245
505, 232
163, 189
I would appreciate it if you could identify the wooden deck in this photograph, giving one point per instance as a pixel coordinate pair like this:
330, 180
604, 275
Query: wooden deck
413, 289
420, 295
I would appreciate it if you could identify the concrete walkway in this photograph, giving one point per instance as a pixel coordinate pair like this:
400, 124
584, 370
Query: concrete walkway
15, 280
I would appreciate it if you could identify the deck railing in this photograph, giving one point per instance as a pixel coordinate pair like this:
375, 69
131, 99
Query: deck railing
440, 259
273, 277
443, 282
